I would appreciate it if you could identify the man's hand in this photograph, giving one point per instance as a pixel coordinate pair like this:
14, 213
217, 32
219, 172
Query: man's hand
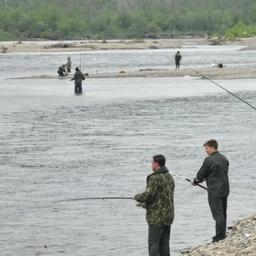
194, 182
143, 205
137, 197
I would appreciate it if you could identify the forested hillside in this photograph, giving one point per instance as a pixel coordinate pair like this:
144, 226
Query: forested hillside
105, 19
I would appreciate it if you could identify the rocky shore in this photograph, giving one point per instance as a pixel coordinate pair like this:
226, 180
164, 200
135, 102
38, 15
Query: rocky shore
241, 241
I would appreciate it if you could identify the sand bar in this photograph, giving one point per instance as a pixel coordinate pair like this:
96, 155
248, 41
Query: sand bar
212, 72
92, 45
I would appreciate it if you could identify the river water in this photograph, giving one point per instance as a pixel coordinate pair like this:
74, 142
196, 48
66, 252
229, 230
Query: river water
23, 65
55, 147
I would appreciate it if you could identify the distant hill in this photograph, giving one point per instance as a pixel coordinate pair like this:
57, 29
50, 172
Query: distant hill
105, 19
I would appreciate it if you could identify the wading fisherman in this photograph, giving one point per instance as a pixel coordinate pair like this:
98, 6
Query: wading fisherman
68, 65
215, 171
78, 77
177, 58
159, 204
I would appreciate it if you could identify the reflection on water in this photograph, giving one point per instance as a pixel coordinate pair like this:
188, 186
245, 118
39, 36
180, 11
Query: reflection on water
56, 146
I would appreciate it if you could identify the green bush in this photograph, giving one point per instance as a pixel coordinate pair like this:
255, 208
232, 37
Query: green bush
241, 30
99, 19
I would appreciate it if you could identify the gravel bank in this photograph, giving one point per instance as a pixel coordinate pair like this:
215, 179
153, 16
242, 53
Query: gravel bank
241, 241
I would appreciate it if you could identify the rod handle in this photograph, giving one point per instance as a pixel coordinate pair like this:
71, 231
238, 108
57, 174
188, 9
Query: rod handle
201, 186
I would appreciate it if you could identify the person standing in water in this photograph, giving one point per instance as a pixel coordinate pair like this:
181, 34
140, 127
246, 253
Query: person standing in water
177, 58
78, 77
68, 65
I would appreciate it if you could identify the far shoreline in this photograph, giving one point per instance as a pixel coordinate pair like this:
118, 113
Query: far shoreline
48, 46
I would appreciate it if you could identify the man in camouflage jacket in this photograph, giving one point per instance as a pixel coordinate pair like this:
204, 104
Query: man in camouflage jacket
78, 77
159, 203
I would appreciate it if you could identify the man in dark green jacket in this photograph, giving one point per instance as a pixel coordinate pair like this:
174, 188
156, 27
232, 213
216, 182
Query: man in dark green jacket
159, 203
215, 171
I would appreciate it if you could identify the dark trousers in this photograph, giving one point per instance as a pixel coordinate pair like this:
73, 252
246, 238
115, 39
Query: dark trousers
218, 207
78, 88
61, 74
158, 240
177, 64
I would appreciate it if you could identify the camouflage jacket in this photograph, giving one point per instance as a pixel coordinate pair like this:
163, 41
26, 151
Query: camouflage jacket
78, 76
158, 198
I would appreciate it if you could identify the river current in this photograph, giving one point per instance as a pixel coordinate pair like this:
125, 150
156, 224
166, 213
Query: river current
55, 146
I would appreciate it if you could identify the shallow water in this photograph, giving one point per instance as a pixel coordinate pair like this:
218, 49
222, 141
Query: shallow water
26, 65
55, 146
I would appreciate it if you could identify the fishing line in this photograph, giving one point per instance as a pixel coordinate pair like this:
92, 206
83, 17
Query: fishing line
175, 175
83, 66
81, 61
223, 88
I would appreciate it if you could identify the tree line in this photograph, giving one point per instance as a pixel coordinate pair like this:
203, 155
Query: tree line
105, 19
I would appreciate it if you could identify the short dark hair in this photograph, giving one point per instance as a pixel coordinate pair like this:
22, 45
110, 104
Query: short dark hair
160, 159
211, 143
77, 69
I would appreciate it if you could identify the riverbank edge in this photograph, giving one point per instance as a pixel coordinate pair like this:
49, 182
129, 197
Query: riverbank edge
240, 241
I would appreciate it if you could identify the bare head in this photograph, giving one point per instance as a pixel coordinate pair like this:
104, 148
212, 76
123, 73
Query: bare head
211, 146
158, 162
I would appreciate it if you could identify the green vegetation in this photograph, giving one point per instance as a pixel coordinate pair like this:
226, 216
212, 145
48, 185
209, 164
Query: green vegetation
104, 19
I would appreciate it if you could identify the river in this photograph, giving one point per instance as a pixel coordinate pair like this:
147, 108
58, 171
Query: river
55, 146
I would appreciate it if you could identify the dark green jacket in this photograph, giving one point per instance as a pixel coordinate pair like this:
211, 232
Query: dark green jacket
215, 171
158, 198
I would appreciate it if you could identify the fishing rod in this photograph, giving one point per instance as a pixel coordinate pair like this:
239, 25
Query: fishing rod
178, 176
117, 197
220, 86
97, 198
